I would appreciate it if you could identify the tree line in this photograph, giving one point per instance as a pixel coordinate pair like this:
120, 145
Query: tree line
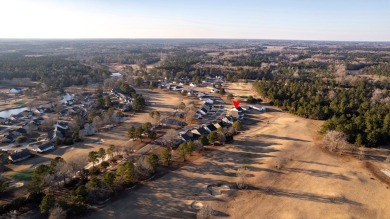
355, 110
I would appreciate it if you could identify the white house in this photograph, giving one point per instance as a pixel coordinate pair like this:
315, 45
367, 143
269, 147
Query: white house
210, 101
116, 74
193, 84
44, 147
15, 90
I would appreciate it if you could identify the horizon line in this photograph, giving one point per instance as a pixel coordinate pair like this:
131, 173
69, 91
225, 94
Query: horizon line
186, 38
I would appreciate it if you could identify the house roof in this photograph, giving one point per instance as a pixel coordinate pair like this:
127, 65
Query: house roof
20, 154
45, 146
204, 110
202, 131
211, 127
185, 137
21, 130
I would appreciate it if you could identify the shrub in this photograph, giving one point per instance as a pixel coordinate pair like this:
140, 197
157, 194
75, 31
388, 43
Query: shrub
21, 139
206, 212
68, 141
94, 171
105, 164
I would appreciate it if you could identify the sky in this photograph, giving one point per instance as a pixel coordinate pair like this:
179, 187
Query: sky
341, 20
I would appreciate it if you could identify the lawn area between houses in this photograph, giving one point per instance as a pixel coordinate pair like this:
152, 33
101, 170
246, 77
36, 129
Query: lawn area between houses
24, 175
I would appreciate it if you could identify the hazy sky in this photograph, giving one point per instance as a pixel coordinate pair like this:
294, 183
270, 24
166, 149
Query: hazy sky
247, 19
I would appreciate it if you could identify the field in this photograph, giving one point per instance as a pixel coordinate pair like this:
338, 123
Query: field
310, 183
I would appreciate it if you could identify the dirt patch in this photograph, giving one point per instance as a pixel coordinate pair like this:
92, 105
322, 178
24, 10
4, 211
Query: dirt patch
378, 173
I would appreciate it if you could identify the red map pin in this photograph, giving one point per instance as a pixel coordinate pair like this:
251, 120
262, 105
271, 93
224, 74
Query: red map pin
236, 103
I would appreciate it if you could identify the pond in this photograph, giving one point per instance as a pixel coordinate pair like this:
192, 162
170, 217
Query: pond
8, 113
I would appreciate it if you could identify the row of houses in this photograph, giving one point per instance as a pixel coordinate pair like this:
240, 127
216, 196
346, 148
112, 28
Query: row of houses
205, 129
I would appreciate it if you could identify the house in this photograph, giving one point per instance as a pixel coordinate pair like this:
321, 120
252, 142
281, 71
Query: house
228, 120
44, 147
173, 122
19, 132
16, 117
217, 85
200, 131
62, 125
61, 130
210, 128
177, 88
115, 75
26, 114
189, 136
19, 156
193, 84
64, 112
89, 129
214, 90
202, 111
236, 114
15, 90
209, 101
8, 138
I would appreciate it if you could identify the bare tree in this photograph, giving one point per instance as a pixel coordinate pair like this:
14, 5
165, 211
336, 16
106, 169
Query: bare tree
242, 177
57, 213
340, 73
221, 138
198, 145
377, 96
335, 141
48, 123
169, 137
206, 212
189, 115
97, 122
77, 164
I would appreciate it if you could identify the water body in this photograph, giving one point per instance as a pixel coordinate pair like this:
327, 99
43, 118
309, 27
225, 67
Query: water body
8, 113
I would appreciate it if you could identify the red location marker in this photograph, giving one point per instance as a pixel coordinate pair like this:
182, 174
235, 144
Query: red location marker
236, 103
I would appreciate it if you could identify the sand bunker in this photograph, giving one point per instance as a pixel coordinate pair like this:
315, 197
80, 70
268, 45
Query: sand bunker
387, 172
197, 205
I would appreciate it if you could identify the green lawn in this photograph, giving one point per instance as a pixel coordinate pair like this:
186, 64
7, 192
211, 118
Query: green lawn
20, 102
24, 175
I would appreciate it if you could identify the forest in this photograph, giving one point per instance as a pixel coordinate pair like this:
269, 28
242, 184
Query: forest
361, 112
54, 71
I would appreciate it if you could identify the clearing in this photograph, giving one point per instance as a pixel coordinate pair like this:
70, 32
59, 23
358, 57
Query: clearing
311, 184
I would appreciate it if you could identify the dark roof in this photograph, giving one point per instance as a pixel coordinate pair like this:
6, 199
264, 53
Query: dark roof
204, 110
202, 131
20, 154
186, 137
44, 146
195, 137
11, 137
59, 129
21, 130
211, 127
222, 124
173, 122
116, 91
62, 123
18, 116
